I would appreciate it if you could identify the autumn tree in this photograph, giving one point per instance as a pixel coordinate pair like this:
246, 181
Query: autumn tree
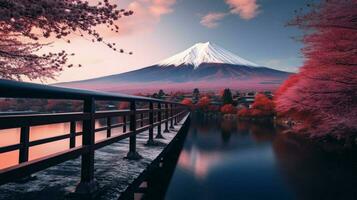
187, 102
244, 113
23, 23
323, 95
204, 103
228, 109
261, 108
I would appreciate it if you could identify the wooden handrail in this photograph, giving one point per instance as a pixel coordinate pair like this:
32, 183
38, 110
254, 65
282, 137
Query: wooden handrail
170, 113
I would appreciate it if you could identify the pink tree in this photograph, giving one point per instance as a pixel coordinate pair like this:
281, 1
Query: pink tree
24, 22
323, 95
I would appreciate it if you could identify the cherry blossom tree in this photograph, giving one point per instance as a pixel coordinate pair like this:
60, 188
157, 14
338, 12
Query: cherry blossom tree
322, 97
23, 23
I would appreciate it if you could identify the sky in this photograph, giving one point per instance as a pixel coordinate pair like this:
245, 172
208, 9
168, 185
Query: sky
253, 29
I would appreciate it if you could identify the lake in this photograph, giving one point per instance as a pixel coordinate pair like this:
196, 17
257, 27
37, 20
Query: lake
12, 136
227, 159
231, 159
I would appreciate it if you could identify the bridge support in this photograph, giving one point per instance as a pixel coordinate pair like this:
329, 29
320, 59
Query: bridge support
151, 141
166, 118
24, 140
72, 139
88, 186
176, 117
159, 115
109, 124
172, 119
124, 124
133, 154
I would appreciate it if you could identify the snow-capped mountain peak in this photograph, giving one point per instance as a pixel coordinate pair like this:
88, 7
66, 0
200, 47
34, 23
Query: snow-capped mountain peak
205, 53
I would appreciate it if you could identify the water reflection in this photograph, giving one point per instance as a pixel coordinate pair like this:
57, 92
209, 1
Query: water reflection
227, 159
12, 136
314, 172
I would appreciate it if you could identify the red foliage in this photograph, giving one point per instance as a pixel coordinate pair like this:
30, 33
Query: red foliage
323, 95
123, 105
291, 81
228, 109
262, 107
203, 103
187, 102
244, 112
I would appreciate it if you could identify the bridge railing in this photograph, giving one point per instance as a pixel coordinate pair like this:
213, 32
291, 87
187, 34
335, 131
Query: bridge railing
158, 112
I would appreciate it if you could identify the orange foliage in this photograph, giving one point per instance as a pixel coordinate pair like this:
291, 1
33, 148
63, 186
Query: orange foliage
187, 102
204, 102
228, 109
262, 107
243, 112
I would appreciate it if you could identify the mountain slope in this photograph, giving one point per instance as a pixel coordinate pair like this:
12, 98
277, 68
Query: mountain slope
203, 65
205, 53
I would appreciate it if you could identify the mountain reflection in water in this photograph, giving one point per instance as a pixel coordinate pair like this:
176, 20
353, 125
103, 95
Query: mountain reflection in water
227, 159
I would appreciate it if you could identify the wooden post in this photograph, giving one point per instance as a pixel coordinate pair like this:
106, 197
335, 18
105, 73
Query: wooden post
109, 124
159, 115
72, 132
141, 119
172, 119
88, 186
24, 141
166, 118
151, 122
124, 124
176, 112
132, 154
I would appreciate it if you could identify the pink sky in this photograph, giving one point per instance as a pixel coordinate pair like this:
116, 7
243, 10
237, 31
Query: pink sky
161, 28
136, 35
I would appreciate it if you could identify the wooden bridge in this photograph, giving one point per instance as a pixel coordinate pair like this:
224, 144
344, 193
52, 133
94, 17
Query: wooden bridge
145, 115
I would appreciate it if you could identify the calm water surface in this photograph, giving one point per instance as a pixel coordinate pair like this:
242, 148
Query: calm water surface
12, 136
225, 159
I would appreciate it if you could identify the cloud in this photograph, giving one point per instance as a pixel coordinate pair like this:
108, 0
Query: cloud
211, 19
161, 7
246, 9
147, 14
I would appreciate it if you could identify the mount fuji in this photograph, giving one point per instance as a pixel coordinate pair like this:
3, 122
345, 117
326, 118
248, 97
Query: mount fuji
204, 65
205, 53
